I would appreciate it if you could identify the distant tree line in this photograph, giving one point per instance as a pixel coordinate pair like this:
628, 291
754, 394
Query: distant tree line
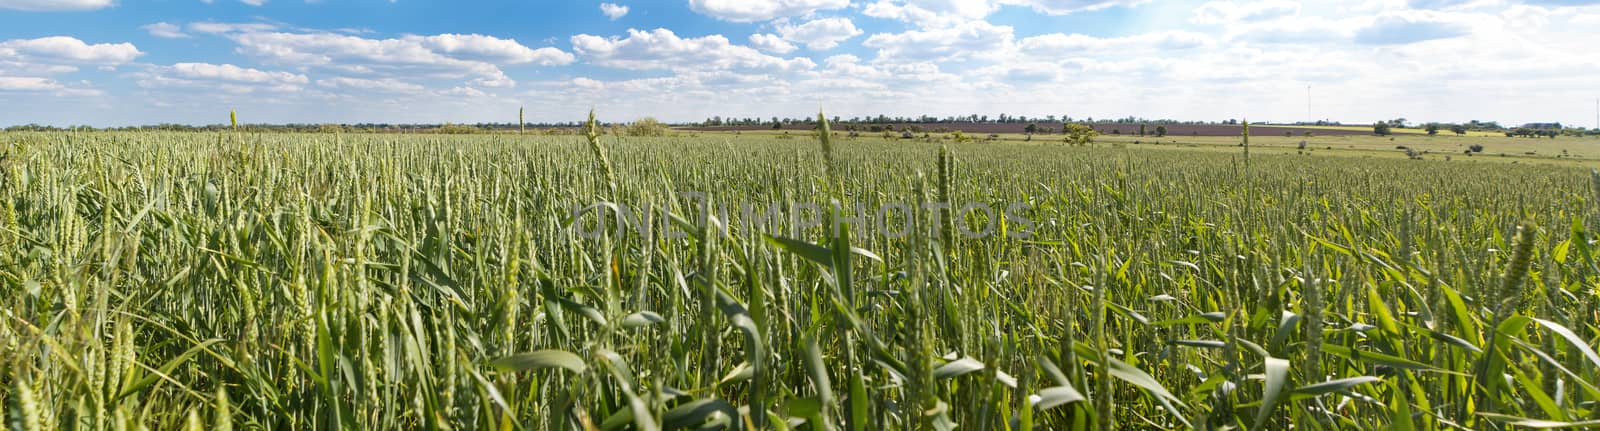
1530, 130
874, 124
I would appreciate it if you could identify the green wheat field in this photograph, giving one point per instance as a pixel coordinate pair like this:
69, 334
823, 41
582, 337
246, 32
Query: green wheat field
243, 281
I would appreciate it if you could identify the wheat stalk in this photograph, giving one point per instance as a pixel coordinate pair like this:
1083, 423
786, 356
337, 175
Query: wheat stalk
592, 132
824, 134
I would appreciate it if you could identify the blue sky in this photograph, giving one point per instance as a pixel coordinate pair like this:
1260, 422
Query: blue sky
125, 62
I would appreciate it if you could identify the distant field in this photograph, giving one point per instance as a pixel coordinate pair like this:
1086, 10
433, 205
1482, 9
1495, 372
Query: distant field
1104, 128
1564, 150
1496, 148
1124, 128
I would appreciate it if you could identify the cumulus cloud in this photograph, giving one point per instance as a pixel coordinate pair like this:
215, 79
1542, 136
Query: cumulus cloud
23, 68
33, 87
1060, 43
940, 13
467, 92
25, 83
962, 41
439, 56
771, 43
229, 72
55, 5
613, 11
1295, 31
164, 30
27, 65
382, 85
930, 13
663, 49
69, 49
491, 49
1224, 12
1063, 7
224, 27
761, 10
819, 35
224, 77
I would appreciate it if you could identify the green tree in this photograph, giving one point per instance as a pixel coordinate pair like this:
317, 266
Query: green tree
647, 126
1433, 129
1459, 129
457, 129
1161, 131
1078, 134
1031, 129
1381, 128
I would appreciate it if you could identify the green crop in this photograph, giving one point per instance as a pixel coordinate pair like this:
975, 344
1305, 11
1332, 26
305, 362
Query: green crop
297, 281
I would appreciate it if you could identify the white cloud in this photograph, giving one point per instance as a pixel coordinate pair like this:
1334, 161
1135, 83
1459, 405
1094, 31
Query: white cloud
450, 56
771, 43
962, 41
1063, 7
55, 5
1224, 12
613, 11
23, 68
943, 13
69, 49
662, 49
821, 34
930, 13
223, 78
357, 54
24, 83
849, 71
1058, 44
491, 49
1296, 31
761, 10
253, 2
164, 30
1529, 16
33, 87
588, 83
24, 61
222, 27
229, 72
467, 92
500, 81
1591, 19
383, 85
